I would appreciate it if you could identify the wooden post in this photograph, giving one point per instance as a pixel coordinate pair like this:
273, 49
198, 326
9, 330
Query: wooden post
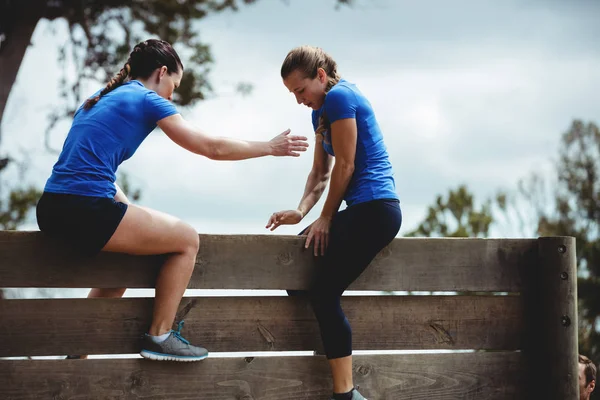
551, 344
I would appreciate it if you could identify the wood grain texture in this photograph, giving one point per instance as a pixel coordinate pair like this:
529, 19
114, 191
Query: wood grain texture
481, 376
114, 326
28, 259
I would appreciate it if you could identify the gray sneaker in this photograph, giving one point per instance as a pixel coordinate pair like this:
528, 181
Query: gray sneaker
356, 395
174, 348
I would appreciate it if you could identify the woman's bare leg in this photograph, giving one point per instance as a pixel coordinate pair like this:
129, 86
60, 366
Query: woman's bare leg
144, 231
341, 370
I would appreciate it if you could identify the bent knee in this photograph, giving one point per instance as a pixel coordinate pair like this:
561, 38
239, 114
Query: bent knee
190, 242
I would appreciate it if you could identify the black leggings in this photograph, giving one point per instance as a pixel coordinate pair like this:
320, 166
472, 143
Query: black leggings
356, 236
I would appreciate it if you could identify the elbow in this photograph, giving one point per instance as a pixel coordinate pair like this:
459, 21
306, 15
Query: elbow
213, 150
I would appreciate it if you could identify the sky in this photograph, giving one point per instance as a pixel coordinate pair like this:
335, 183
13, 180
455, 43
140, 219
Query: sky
466, 92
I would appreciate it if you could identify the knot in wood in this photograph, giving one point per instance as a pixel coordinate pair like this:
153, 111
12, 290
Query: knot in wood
268, 336
137, 379
285, 258
364, 370
441, 334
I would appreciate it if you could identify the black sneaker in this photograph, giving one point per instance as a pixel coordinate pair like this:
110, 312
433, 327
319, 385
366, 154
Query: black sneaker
174, 348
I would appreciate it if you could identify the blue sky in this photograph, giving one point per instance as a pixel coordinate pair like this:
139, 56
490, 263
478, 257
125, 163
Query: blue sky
473, 92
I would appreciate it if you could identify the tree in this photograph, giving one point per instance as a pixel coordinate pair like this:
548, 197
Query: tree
567, 203
455, 216
96, 49
16, 205
577, 213
520, 211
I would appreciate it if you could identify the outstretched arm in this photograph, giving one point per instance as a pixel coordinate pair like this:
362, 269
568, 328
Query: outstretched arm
193, 139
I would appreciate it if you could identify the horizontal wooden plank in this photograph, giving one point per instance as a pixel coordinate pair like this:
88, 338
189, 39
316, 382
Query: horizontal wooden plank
113, 326
481, 376
28, 259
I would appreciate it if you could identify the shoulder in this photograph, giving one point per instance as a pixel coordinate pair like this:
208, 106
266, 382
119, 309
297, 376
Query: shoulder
153, 99
342, 94
341, 101
134, 89
341, 91
157, 107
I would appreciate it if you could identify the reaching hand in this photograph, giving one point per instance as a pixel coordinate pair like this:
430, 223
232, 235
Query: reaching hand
286, 145
288, 217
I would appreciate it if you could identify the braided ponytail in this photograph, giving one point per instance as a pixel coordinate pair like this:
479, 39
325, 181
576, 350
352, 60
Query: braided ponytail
115, 82
308, 60
323, 120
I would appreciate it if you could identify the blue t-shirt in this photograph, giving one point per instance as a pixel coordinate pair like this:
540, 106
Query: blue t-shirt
104, 136
373, 176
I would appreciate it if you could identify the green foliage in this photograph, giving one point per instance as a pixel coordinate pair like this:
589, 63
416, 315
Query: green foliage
577, 213
524, 210
14, 212
455, 216
568, 204
15, 207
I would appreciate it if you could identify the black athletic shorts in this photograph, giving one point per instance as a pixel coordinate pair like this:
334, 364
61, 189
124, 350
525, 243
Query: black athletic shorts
86, 222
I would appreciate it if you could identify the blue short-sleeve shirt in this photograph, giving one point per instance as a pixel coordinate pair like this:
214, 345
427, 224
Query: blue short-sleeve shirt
373, 177
101, 138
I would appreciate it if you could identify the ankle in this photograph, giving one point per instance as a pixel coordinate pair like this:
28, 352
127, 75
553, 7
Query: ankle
160, 338
343, 387
158, 330
343, 396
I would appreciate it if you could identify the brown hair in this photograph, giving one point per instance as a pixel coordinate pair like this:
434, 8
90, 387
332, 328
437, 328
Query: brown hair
589, 369
308, 60
143, 60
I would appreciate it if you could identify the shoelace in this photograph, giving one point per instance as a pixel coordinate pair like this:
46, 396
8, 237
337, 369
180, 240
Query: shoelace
177, 333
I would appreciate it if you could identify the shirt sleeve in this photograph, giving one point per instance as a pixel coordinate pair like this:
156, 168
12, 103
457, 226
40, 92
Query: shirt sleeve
157, 108
340, 103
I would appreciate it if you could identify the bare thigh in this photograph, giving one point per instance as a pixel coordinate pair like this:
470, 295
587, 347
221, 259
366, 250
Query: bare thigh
144, 231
